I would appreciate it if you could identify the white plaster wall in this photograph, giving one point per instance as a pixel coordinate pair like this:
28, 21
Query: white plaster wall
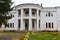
13, 20
45, 19
58, 18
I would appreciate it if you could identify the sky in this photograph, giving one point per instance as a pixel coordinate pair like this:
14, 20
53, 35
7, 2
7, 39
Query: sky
45, 3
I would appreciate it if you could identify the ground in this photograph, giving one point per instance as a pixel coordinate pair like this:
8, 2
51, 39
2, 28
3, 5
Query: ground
45, 36
10, 35
32, 35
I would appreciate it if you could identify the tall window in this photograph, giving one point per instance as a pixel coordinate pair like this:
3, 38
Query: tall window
19, 23
19, 12
49, 25
13, 25
52, 25
46, 25
10, 25
39, 23
39, 12
49, 14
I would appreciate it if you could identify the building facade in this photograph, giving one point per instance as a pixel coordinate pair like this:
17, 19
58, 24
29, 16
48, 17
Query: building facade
31, 17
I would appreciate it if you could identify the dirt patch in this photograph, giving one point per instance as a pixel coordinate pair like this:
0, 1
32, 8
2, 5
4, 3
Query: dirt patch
5, 37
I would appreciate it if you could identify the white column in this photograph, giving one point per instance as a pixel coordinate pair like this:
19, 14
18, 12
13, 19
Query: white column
30, 20
21, 13
37, 20
35, 27
22, 24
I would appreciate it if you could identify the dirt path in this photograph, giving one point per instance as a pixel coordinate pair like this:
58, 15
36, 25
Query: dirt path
5, 37
9, 36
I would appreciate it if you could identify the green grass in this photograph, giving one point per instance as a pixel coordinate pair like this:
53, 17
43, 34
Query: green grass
45, 36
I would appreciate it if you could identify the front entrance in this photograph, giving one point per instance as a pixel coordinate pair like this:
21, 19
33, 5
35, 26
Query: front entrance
26, 24
34, 24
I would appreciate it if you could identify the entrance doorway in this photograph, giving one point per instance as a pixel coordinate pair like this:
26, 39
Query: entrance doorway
34, 24
26, 24
19, 23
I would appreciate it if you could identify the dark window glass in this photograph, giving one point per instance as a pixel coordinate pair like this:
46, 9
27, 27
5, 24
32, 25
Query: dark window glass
52, 25
49, 14
19, 12
52, 15
10, 25
34, 11
26, 11
46, 25
11, 15
13, 25
18, 23
39, 12
39, 23
7, 25
46, 15
49, 25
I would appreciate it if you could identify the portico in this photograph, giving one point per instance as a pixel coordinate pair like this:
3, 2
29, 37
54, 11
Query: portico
29, 19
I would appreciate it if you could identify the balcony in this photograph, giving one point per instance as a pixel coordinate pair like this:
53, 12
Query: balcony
26, 12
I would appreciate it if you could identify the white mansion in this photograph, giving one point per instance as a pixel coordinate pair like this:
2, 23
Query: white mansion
31, 17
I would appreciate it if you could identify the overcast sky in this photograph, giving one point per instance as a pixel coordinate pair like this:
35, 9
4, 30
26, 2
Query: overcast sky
46, 3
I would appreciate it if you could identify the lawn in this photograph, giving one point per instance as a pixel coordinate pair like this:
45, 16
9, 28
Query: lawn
45, 36
34, 35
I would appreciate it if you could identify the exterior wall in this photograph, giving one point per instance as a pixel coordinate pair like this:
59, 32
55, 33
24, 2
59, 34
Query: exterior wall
43, 19
58, 18
13, 20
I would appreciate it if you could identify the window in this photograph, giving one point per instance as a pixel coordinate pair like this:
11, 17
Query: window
10, 25
19, 12
46, 25
34, 11
49, 14
26, 11
12, 15
39, 23
49, 25
13, 25
7, 25
39, 12
19, 23
52, 25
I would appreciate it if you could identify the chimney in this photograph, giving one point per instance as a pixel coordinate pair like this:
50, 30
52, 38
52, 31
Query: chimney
41, 4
